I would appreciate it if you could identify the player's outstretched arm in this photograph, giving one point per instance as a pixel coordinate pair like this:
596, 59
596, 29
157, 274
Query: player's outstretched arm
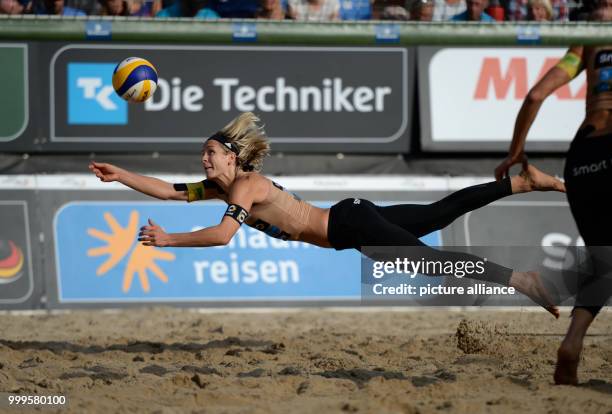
567, 69
244, 192
151, 186
219, 235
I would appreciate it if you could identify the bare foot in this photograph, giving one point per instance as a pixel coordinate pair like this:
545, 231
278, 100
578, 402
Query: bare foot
566, 372
540, 181
530, 285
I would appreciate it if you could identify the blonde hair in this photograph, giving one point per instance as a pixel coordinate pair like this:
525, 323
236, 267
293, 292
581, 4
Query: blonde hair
544, 3
250, 139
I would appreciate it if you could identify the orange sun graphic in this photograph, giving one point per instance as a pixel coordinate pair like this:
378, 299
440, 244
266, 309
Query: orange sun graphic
118, 245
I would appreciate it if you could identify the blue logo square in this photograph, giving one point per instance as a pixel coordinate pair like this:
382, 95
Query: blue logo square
98, 30
244, 32
91, 97
387, 33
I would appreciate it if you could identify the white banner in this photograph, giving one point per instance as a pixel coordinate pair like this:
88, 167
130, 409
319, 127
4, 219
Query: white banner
475, 95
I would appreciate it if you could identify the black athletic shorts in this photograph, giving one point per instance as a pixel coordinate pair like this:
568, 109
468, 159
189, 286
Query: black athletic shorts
341, 232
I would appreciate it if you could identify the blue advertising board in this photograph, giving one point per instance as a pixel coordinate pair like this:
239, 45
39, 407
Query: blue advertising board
99, 259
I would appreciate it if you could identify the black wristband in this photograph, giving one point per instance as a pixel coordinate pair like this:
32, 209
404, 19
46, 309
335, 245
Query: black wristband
237, 213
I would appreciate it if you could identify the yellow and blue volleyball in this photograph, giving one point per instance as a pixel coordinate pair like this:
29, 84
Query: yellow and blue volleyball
135, 79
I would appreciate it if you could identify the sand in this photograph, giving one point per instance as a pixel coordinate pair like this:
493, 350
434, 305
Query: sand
167, 360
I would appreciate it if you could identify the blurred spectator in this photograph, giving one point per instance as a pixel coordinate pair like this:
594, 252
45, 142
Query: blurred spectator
56, 7
580, 12
392, 6
239, 9
270, 9
447, 9
539, 11
314, 10
146, 8
188, 8
28, 6
601, 10
116, 7
394, 13
421, 10
10, 7
90, 7
517, 10
356, 9
495, 10
474, 12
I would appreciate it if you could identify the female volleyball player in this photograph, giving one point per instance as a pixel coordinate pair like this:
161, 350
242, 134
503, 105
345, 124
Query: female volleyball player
231, 158
587, 173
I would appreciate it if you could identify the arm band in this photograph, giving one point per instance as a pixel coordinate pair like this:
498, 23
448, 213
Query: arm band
237, 213
197, 191
571, 64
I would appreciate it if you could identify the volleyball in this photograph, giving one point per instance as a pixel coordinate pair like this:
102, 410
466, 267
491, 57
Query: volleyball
135, 79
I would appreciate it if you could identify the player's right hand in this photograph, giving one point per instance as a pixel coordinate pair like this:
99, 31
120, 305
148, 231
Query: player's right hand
105, 172
503, 169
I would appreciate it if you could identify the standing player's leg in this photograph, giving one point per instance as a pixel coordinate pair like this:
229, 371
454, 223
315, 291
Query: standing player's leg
586, 190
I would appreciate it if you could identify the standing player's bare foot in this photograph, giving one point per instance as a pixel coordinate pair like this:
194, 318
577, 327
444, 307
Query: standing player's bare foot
535, 180
530, 285
568, 357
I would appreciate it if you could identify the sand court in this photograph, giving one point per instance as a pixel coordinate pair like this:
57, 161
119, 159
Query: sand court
394, 360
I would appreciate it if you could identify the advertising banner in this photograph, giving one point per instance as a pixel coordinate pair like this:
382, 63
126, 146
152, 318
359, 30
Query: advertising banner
470, 97
16, 255
350, 99
14, 100
99, 259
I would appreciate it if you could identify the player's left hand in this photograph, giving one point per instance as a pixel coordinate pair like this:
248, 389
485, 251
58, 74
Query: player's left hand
153, 235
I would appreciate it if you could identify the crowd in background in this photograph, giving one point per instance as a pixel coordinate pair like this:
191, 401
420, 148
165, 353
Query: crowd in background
313, 10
